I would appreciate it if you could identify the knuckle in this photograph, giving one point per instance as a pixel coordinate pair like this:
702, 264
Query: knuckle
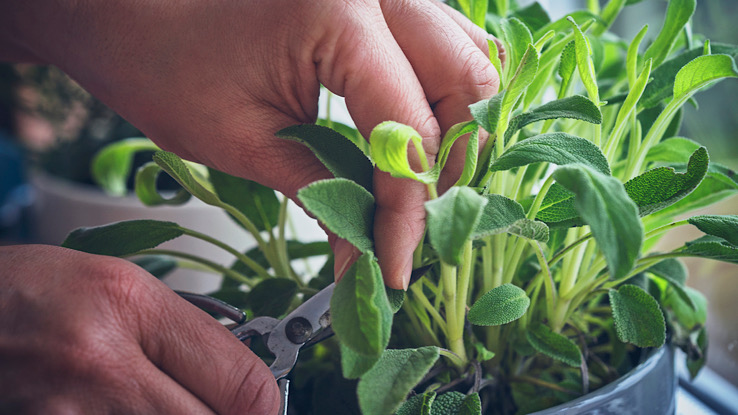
256, 391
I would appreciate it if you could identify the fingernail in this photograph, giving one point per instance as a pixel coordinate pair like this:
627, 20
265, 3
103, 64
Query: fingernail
345, 255
408, 269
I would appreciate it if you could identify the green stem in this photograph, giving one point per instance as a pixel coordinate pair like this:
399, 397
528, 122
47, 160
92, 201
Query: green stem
551, 296
464, 281
455, 330
423, 300
253, 265
539, 198
194, 258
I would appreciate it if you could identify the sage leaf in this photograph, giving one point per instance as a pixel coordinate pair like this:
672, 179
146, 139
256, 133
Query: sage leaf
257, 202
156, 265
471, 405
451, 220
337, 153
575, 107
344, 207
518, 38
661, 187
483, 354
672, 150
122, 238
384, 387
638, 318
396, 298
700, 72
674, 273
711, 247
677, 15
557, 209
145, 188
389, 146
351, 133
567, 65
487, 112
612, 216
556, 148
361, 315
353, 364
581, 17
501, 214
524, 76
554, 345
456, 403
584, 62
534, 16
690, 315
418, 404
112, 165
175, 167
499, 305
696, 363
272, 297
721, 226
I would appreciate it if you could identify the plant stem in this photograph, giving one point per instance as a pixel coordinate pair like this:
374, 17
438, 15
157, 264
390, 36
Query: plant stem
258, 269
455, 330
423, 300
464, 281
194, 258
533, 211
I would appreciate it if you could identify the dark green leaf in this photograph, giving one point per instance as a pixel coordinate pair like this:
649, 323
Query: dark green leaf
382, 389
638, 318
661, 187
353, 364
272, 297
712, 247
719, 183
557, 209
255, 201
575, 107
344, 207
122, 238
690, 314
418, 405
556, 148
501, 214
233, 296
696, 363
722, 226
448, 403
534, 16
396, 298
451, 220
471, 405
145, 188
339, 154
677, 15
112, 165
498, 306
554, 345
349, 132
360, 312
156, 265
670, 269
612, 216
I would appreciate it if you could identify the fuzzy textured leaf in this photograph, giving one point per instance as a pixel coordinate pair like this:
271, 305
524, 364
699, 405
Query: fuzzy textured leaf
613, 217
175, 167
451, 220
557, 148
487, 112
360, 312
661, 187
396, 298
418, 404
353, 364
677, 15
255, 201
712, 247
384, 387
346, 208
499, 305
389, 147
584, 63
122, 238
721, 226
339, 154
674, 272
672, 150
501, 214
518, 37
701, 71
574, 107
638, 318
554, 345
692, 314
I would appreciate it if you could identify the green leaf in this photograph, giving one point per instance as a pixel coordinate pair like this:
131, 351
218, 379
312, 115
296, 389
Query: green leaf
487, 112
418, 405
609, 13
111, 166
156, 265
534, 16
518, 38
272, 297
448, 404
661, 187
339, 154
672, 150
501, 214
674, 273
690, 314
719, 183
612, 216
711, 247
554, 345
389, 143
255, 201
575, 107
677, 15
661, 85
122, 238
145, 188
524, 75
557, 148
175, 167
345, 208
631, 60
351, 133
382, 389
557, 209
721, 226
451, 220
581, 17
696, 363
584, 63
638, 318
361, 315
472, 149
471, 405
396, 298
567, 66
499, 305
353, 364
700, 72
483, 354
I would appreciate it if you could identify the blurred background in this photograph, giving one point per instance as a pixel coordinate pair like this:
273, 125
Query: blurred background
50, 128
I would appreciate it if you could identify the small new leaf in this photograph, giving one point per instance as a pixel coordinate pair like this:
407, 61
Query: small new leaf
554, 345
638, 318
112, 165
451, 220
255, 201
389, 143
499, 305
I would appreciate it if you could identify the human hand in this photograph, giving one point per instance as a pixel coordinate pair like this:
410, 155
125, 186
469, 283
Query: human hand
81, 333
213, 82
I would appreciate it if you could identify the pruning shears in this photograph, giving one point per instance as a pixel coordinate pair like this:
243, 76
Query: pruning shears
305, 326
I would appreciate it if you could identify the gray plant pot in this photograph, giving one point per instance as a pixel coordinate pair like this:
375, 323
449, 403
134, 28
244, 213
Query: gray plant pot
649, 389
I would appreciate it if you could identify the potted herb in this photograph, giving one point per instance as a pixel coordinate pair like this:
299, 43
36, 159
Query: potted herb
543, 283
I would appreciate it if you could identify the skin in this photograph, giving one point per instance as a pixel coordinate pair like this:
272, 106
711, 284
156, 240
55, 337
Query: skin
212, 82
